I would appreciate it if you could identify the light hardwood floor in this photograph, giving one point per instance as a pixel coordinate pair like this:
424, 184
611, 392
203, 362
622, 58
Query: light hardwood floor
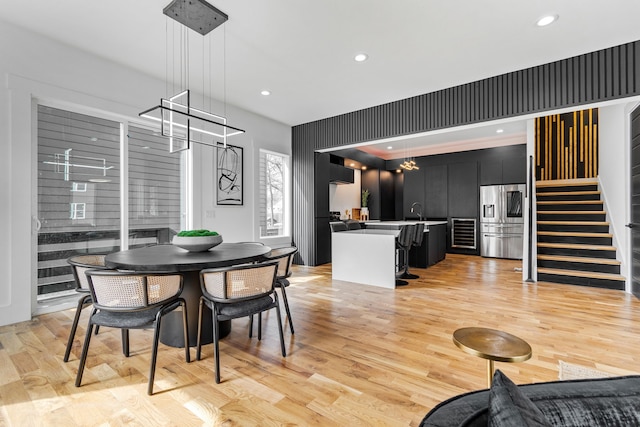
360, 355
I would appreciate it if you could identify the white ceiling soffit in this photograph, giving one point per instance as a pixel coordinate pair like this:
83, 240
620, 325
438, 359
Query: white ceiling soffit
302, 51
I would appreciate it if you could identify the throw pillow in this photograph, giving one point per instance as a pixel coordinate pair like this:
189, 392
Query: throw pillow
509, 407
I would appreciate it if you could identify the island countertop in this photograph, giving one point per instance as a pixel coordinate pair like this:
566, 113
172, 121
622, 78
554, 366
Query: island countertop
398, 224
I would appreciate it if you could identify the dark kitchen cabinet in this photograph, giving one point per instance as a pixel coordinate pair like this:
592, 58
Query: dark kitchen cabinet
339, 174
436, 192
491, 172
503, 171
323, 241
514, 171
433, 248
463, 190
437, 243
382, 195
413, 191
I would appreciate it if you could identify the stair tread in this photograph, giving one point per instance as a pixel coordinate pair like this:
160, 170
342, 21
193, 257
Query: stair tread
574, 234
577, 246
566, 182
569, 202
572, 212
568, 193
576, 273
573, 223
586, 260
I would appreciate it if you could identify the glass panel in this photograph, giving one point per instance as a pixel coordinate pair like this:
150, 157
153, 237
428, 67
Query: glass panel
78, 194
514, 204
273, 171
156, 189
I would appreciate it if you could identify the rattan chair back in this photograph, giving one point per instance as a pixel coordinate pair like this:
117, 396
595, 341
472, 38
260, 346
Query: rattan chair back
238, 282
80, 264
284, 256
115, 290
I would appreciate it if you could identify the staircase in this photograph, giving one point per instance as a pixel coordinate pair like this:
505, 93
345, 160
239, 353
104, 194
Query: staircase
574, 243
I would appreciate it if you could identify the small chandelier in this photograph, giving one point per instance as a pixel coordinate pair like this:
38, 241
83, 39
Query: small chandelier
179, 120
409, 164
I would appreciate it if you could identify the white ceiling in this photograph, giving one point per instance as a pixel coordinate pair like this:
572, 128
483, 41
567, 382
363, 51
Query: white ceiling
302, 50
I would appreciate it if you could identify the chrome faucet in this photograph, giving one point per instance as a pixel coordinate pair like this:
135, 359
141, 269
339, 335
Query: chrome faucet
420, 212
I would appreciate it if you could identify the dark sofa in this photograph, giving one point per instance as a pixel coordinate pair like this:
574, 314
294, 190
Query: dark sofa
592, 402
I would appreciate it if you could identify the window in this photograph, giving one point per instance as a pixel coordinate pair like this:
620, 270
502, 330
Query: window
77, 210
274, 194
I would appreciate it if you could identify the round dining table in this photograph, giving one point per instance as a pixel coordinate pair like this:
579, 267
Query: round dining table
170, 258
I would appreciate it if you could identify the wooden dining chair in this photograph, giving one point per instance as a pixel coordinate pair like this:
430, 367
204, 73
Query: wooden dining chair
129, 300
236, 292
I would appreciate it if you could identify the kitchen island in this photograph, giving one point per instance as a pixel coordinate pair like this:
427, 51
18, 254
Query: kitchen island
434, 242
366, 256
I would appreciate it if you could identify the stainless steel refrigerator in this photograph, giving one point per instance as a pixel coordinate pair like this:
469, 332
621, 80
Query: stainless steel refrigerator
502, 220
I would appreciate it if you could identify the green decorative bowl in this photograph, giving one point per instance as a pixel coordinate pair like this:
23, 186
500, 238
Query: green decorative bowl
197, 243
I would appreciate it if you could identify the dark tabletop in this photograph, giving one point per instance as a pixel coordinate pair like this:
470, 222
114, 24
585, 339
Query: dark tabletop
172, 258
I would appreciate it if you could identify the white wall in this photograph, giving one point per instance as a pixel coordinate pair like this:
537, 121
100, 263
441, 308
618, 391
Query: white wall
345, 196
36, 68
613, 171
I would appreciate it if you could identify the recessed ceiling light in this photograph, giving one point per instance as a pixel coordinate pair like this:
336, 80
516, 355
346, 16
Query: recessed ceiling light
265, 92
352, 164
546, 20
361, 57
364, 168
499, 130
398, 171
389, 147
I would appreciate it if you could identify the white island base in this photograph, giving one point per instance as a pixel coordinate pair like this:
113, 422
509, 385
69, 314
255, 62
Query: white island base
365, 256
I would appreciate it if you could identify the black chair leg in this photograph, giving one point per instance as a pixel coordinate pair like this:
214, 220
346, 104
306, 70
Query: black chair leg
154, 353
125, 342
286, 307
187, 350
86, 299
198, 345
251, 326
216, 344
284, 351
259, 326
83, 356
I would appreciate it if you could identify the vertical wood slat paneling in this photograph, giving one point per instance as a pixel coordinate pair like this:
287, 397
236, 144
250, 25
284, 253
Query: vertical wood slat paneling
568, 146
594, 77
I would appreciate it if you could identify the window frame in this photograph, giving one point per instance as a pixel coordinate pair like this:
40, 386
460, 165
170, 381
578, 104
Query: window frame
285, 237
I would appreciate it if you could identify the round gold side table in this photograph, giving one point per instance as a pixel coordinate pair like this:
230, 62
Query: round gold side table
493, 345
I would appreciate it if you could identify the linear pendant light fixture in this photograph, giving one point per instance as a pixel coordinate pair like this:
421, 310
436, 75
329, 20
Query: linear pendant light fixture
179, 121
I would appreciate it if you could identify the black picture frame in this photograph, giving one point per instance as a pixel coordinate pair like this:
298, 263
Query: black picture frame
229, 175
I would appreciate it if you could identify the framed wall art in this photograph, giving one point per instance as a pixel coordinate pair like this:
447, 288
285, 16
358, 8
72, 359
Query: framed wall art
229, 179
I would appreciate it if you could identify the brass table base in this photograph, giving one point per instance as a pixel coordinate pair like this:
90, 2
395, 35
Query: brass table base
493, 345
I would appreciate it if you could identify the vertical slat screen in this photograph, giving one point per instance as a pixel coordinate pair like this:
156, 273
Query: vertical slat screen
594, 77
566, 145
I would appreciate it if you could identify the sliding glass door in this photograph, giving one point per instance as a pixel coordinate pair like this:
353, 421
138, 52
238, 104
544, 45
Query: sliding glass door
80, 199
156, 204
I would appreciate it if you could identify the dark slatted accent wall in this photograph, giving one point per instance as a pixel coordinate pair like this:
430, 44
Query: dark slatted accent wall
303, 194
567, 145
594, 77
